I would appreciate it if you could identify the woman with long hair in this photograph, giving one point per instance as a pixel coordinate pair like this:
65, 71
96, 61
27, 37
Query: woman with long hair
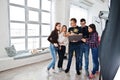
93, 44
63, 41
54, 45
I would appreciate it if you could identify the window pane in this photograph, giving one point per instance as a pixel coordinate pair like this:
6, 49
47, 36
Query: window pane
44, 42
33, 43
46, 4
45, 30
33, 16
17, 13
45, 17
21, 2
34, 3
33, 30
19, 44
17, 29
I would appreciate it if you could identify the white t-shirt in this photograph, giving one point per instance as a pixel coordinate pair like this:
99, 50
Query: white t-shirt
62, 39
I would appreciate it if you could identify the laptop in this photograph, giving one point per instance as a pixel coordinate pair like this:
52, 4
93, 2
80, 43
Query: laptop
75, 37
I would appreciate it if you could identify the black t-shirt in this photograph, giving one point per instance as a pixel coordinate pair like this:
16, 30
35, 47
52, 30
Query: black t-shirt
85, 32
75, 30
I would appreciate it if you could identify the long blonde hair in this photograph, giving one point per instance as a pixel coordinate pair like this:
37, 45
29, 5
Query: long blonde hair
64, 26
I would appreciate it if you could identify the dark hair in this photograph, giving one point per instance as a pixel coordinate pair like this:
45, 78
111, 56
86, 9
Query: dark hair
93, 27
73, 19
82, 20
65, 27
56, 24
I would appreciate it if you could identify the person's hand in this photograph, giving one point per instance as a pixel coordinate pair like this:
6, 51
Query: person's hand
55, 44
67, 34
72, 34
84, 40
74, 41
61, 42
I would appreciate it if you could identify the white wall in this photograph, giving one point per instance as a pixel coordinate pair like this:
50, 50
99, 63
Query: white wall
4, 31
60, 11
98, 6
94, 11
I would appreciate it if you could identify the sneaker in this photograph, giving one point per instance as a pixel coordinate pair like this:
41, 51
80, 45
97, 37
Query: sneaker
87, 73
59, 69
67, 70
91, 76
53, 70
78, 72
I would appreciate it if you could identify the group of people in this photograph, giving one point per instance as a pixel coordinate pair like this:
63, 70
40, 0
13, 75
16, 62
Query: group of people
59, 39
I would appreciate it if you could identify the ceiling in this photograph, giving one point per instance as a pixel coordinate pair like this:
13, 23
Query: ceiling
87, 3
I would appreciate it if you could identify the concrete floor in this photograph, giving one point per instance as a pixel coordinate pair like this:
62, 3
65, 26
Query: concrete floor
38, 71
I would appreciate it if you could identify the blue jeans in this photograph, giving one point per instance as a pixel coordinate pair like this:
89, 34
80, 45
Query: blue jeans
84, 49
73, 48
95, 60
53, 51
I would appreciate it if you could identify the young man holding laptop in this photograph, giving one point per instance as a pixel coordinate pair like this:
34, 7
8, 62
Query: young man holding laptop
74, 44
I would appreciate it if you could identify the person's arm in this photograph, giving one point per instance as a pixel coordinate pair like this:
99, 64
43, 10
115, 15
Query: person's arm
50, 39
68, 33
93, 39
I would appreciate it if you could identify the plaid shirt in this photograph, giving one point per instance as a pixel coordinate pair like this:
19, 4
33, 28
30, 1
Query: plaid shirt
93, 40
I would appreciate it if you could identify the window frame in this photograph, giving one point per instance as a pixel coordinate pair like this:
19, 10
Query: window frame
26, 22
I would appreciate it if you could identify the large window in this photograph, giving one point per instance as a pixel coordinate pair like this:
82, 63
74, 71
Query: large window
30, 23
78, 13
